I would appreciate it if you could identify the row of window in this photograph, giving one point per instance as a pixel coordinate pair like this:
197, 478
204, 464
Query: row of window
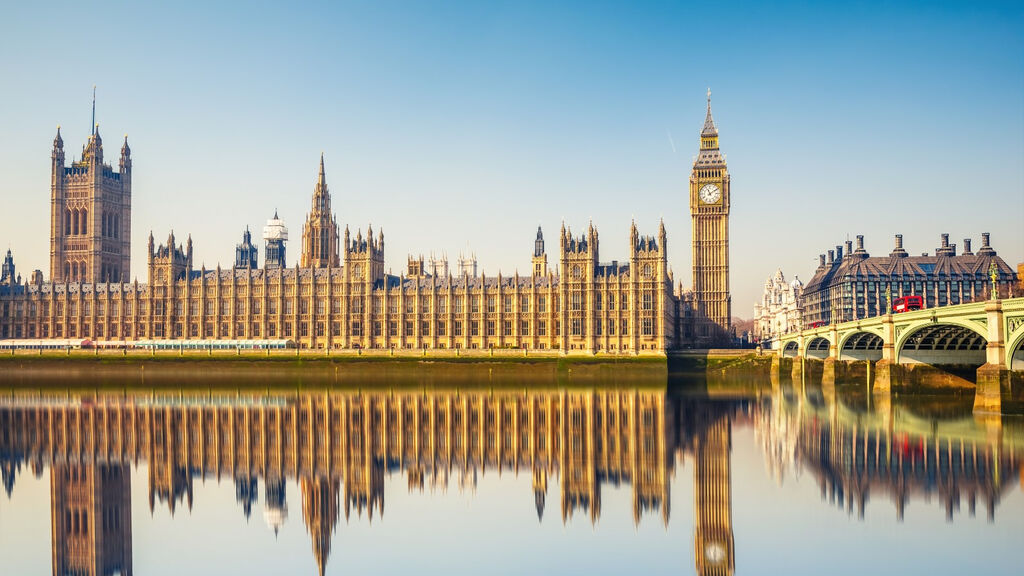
490, 328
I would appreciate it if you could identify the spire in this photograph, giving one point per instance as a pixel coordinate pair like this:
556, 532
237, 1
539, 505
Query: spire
93, 109
321, 196
709, 122
58, 142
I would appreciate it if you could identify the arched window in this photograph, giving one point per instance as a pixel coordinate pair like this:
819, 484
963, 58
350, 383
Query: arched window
74, 222
85, 221
67, 271
117, 226
67, 222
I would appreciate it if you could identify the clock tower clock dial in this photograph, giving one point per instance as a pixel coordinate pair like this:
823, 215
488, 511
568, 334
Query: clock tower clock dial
710, 193
709, 215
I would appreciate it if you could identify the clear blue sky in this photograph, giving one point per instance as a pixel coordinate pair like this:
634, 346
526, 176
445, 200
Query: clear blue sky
455, 125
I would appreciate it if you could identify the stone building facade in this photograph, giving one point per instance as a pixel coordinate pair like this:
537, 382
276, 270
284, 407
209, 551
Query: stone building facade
339, 296
347, 301
857, 285
781, 307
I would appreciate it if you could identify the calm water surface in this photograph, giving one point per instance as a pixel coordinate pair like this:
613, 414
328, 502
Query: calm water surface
530, 477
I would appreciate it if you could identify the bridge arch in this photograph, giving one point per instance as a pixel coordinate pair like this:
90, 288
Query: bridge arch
949, 341
817, 347
1015, 350
791, 349
860, 345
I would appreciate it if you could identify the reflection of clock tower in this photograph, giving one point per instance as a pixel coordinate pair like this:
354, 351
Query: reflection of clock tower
709, 210
712, 478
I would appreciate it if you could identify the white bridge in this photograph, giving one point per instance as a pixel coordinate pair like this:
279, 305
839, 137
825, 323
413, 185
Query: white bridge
988, 334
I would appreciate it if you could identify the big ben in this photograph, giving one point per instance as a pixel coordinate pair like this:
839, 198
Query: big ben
709, 211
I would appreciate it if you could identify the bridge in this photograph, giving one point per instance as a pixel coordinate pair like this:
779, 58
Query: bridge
988, 335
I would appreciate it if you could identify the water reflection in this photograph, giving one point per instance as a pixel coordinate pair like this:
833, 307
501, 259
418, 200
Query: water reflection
918, 447
339, 445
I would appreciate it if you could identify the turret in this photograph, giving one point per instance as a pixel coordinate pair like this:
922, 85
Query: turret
94, 149
275, 234
126, 157
7, 276
245, 252
539, 261
58, 149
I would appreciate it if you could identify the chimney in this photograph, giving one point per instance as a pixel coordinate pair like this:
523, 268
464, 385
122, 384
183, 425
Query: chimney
849, 248
898, 251
986, 248
952, 249
821, 260
967, 247
839, 252
831, 256
860, 243
945, 240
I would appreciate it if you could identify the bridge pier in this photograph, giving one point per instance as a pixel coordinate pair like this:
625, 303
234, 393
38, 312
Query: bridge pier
994, 380
797, 371
994, 386
888, 375
831, 371
780, 366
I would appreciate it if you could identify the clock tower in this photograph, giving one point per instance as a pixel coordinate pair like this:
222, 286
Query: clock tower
709, 213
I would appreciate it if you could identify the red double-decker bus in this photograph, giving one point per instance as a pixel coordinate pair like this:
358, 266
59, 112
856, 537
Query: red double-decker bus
907, 303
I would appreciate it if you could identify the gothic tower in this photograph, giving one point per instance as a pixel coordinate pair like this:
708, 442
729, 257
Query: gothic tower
578, 263
275, 234
90, 214
246, 252
320, 233
709, 212
540, 258
713, 540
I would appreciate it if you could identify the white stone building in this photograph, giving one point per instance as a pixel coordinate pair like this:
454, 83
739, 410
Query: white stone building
781, 308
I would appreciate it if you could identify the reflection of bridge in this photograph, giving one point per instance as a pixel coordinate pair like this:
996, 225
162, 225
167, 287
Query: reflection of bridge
890, 450
339, 445
987, 334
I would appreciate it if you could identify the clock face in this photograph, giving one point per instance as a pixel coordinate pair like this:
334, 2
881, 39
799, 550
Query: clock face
714, 552
710, 193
